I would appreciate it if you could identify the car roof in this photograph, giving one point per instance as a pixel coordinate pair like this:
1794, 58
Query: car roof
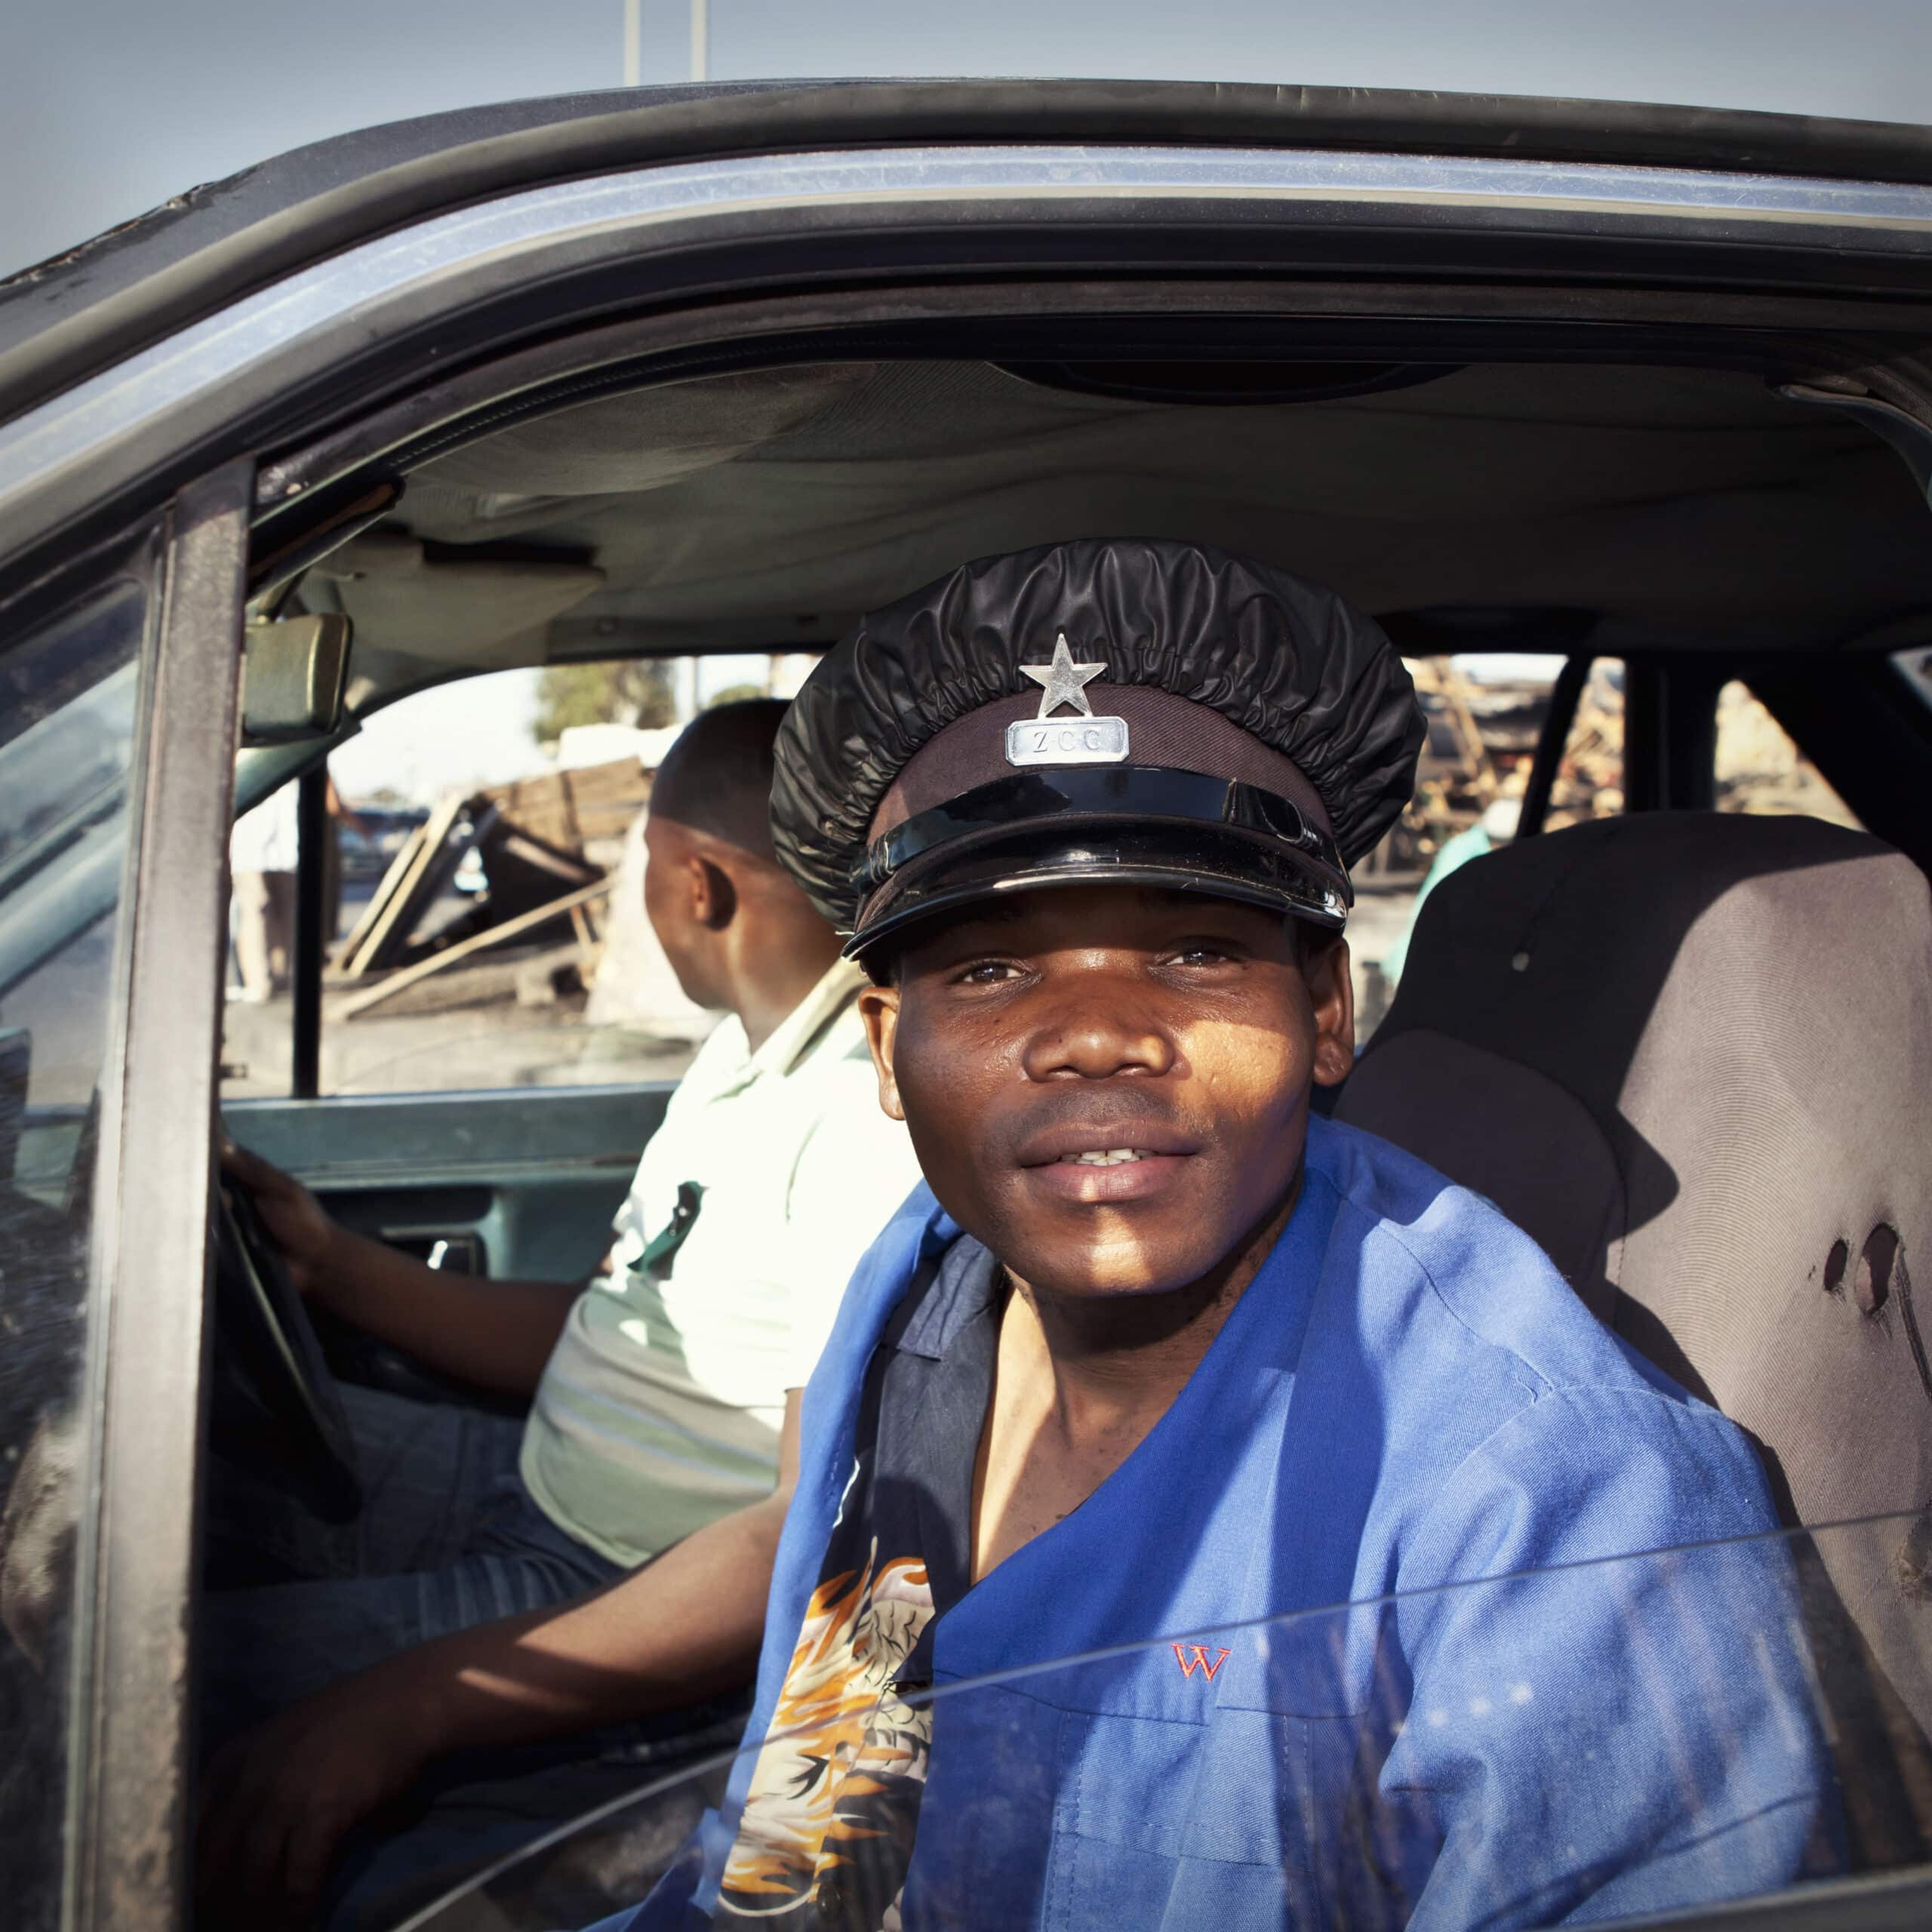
78, 312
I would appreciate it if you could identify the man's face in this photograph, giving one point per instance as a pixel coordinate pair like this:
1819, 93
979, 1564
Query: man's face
1029, 1045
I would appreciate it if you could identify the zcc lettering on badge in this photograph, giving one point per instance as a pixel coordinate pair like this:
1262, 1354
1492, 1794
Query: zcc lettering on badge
1192, 1657
1067, 741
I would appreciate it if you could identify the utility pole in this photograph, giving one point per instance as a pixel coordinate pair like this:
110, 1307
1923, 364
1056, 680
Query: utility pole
633, 43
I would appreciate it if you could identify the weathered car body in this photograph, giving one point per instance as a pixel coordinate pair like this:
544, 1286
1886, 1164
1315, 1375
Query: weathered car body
197, 408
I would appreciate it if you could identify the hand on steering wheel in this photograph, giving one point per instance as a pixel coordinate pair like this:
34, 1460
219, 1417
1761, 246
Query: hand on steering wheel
273, 1393
297, 1224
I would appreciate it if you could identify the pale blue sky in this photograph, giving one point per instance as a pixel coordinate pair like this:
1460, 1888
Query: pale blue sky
481, 733
107, 106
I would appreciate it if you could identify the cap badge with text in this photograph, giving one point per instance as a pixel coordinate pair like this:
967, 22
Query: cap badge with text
1082, 740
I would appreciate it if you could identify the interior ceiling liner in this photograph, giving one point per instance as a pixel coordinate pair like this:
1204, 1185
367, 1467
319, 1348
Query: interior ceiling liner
1681, 506
647, 437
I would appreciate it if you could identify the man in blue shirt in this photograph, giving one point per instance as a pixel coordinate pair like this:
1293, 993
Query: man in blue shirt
1157, 1355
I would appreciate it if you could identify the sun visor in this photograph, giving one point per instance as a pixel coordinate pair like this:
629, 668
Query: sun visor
455, 611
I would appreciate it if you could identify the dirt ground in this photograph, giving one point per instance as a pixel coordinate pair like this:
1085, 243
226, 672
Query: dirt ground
472, 1049
469, 1033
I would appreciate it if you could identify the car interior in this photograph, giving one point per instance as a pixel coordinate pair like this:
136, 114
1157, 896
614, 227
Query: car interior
1689, 1050
1612, 1029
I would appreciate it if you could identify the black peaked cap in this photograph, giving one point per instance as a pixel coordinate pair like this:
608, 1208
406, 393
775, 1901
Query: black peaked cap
1277, 655
1286, 659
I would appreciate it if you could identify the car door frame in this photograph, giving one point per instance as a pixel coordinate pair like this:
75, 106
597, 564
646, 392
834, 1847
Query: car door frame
131, 1758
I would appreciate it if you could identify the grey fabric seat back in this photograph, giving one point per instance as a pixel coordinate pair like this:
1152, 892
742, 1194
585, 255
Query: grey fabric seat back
1691, 1053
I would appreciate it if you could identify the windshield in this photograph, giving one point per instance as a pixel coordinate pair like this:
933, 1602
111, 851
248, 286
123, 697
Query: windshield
1655, 1733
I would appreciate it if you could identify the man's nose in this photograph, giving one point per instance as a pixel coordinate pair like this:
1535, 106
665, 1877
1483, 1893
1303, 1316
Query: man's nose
1095, 1034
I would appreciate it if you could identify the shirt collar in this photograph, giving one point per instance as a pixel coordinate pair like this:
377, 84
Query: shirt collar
966, 1284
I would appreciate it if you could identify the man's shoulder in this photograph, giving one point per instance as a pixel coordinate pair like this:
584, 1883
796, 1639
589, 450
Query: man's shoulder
1468, 1265
719, 1055
836, 1088
1489, 1358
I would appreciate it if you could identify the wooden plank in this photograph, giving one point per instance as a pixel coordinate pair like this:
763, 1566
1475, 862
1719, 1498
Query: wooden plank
566, 808
605, 797
430, 835
386, 888
435, 864
491, 935
540, 857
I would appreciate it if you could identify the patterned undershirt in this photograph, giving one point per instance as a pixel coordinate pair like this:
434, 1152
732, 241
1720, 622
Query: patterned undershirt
830, 1816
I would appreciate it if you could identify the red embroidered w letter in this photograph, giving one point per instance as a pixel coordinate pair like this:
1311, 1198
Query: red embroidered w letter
1198, 1661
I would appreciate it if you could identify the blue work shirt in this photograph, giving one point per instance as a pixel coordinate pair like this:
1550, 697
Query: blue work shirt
1407, 1396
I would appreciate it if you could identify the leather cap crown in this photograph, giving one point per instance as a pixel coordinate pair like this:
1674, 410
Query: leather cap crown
1285, 660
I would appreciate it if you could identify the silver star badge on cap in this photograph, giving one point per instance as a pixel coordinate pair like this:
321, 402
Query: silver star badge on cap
1044, 740
1063, 679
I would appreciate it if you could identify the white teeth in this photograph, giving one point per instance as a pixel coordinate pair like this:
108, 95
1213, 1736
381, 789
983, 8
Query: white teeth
1112, 1157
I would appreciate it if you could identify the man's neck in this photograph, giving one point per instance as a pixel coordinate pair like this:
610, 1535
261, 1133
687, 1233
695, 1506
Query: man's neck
766, 994
1078, 1382
1113, 1358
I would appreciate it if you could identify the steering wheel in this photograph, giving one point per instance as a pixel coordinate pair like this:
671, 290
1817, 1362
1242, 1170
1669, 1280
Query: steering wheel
273, 1397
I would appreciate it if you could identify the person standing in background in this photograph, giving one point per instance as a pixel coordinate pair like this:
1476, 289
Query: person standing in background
261, 854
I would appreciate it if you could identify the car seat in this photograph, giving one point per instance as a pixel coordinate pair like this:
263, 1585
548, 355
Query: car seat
1691, 1054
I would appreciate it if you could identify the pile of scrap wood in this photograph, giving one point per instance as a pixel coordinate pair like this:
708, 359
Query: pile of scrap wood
546, 846
1759, 769
1589, 780
1481, 739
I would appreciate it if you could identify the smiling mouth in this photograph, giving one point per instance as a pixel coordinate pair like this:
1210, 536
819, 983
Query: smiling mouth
1109, 1176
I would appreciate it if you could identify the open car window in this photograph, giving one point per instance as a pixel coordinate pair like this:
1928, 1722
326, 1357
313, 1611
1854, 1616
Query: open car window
1486, 712
1760, 770
482, 888
1655, 1733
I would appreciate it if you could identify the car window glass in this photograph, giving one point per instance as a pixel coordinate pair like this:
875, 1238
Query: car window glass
1915, 667
1485, 715
1760, 770
1647, 1733
68, 709
484, 888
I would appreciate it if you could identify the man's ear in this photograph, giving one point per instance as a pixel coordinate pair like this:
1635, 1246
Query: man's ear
714, 895
879, 1008
1331, 991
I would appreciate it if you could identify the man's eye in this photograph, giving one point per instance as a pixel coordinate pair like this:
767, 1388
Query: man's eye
988, 972
1200, 955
